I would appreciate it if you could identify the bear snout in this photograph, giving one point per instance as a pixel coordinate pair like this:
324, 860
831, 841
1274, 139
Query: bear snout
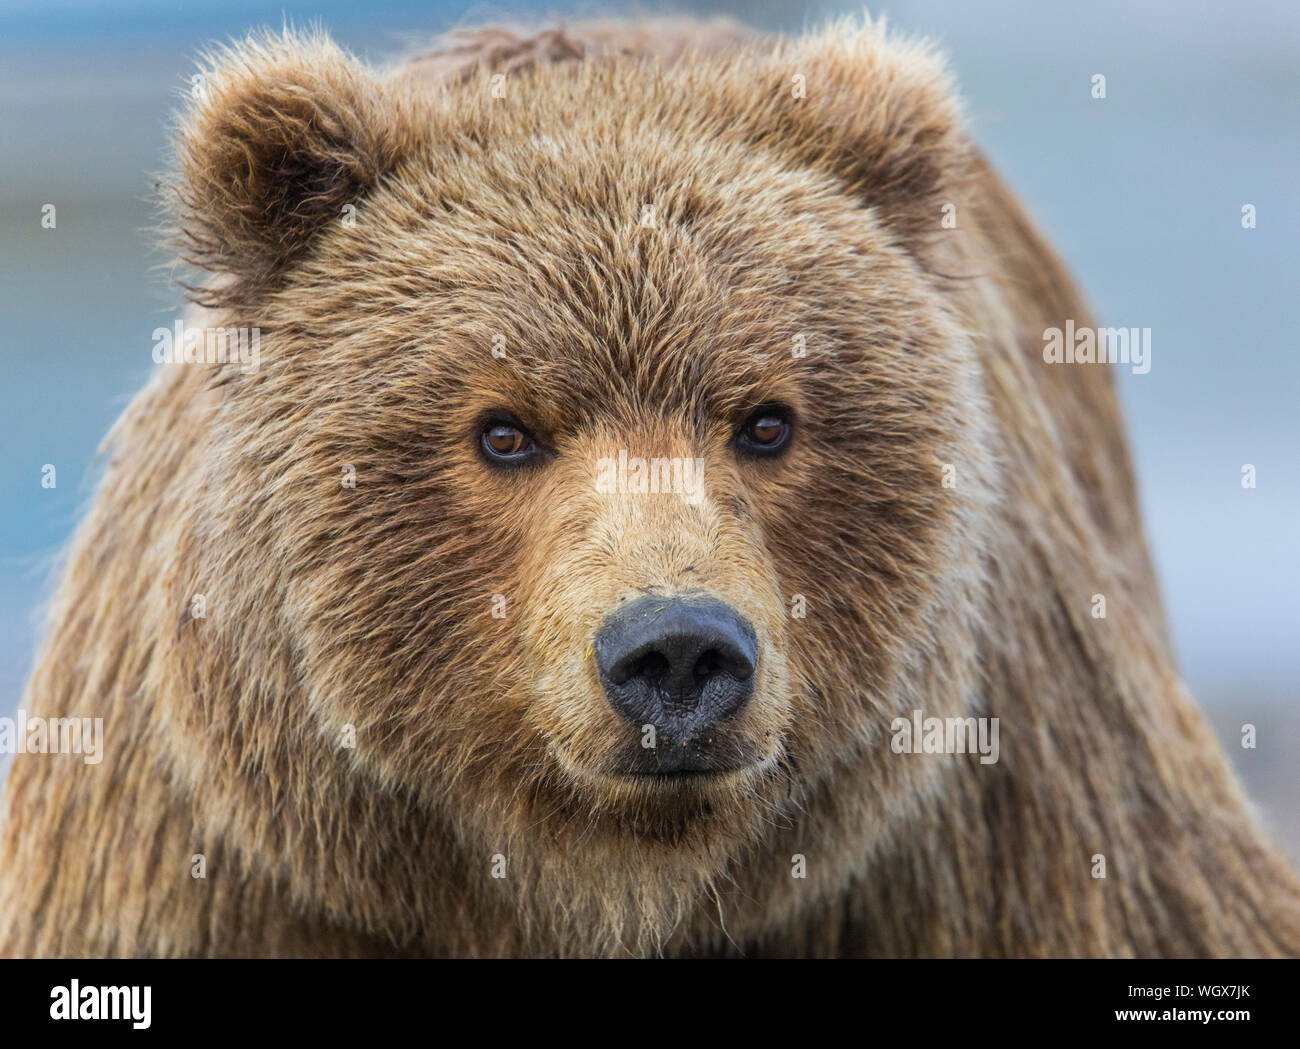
679, 665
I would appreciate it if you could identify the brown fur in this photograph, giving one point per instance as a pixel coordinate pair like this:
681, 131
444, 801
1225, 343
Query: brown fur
478, 736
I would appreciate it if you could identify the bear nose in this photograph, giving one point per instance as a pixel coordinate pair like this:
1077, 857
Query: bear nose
681, 664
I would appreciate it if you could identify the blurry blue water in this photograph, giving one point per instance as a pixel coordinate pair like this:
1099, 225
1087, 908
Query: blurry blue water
1141, 193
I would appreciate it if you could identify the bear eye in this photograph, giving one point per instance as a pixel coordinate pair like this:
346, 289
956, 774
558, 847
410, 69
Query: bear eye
766, 432
505, 441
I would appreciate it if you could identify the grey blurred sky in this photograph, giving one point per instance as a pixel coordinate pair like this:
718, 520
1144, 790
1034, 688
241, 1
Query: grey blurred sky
1140, 193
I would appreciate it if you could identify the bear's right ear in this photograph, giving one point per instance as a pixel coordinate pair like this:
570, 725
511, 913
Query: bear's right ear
282, 132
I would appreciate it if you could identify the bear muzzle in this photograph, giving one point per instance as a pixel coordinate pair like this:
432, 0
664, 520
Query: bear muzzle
678, 667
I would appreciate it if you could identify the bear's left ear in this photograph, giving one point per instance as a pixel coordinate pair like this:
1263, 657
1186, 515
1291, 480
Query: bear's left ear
282, 132
879, 113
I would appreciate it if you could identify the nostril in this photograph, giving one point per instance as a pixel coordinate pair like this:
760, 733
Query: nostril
653, 666
724, 660
710, 664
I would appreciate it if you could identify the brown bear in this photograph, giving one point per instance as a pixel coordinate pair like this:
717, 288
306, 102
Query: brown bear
649, 427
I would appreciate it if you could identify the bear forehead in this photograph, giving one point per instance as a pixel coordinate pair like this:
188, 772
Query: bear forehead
657, 267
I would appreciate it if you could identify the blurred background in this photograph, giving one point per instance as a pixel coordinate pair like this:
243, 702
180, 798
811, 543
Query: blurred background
1141, 193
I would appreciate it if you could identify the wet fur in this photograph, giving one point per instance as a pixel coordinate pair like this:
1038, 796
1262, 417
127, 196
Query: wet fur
477, 736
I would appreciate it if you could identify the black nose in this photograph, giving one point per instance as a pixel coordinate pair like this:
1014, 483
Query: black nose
681, 664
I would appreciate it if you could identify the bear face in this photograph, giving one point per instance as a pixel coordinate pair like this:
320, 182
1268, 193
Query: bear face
568, 273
